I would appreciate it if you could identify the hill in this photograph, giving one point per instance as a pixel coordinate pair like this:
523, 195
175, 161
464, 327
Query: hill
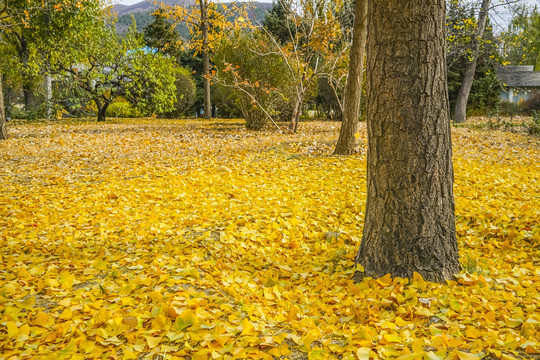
142, 11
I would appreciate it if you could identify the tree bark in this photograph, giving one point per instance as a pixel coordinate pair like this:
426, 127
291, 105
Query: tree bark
27, 86
3, 120
295, 119
102, 110
353, 89
460, 110
409, 223
47, 80
206, 59
29, 97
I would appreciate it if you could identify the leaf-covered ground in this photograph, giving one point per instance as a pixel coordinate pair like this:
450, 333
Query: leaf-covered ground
197, 240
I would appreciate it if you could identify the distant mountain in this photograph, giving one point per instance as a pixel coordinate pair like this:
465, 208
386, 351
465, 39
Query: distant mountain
142, 11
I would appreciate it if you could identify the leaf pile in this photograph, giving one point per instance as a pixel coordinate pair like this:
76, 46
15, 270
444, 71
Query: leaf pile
163, 240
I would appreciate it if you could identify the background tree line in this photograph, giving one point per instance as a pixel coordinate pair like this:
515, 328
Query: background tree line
228, 60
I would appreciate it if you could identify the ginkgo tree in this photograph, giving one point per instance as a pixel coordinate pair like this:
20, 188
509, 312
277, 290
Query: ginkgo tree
410, 212
208, 21
313, 48
304, 39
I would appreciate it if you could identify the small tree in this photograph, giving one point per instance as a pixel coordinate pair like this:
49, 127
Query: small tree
162, 35
460, 110
111, 68
313, 48
255, 77
461, 28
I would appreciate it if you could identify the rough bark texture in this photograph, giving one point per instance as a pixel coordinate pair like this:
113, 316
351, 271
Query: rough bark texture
460, 110
353, 89
206, 60
102, 110
410, 222
3, 127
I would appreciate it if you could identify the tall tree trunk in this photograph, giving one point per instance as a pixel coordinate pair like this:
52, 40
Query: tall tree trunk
206, 59
460, 110
409, 222
3, 126
27, 86
353, 89
47, 80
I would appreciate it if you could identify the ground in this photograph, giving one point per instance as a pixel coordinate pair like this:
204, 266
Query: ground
148, 239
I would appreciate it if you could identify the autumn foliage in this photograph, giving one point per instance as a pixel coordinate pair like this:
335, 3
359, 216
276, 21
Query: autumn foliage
159, 240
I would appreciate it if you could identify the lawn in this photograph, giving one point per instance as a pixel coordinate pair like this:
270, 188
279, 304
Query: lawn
148, 239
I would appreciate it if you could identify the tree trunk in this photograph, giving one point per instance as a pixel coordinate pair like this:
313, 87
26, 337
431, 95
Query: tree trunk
295, 119
102, 110
353, 89
27, 86
409, 222
48, 95
460, 110
206, 60
3, 126
29, 97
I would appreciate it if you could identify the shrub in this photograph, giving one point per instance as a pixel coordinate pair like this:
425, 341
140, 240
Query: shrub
185, 94
122, 108
532, 103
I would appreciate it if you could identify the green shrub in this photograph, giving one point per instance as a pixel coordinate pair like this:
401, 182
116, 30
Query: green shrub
122, 108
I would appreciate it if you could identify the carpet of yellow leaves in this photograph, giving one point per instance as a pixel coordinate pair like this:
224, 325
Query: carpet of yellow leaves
201, 240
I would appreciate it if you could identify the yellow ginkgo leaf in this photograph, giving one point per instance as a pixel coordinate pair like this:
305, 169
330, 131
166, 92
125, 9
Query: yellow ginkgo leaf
248, 329
152, 341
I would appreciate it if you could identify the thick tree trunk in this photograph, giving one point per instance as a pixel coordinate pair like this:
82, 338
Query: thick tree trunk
353, 89
206, 60
3, 120
409, 222
460, 110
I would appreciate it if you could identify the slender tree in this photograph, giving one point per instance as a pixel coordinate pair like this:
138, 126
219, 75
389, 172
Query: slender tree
353, 89
208, 21
312, 49
409, 223
460, 111
3, 127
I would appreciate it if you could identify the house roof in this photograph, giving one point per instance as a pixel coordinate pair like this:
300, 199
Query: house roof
518, 76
